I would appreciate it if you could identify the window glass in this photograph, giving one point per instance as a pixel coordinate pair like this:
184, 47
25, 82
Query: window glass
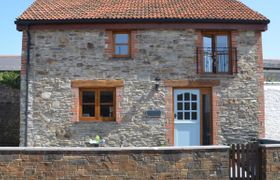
194, 97
187, 115
207, 42
121, 49
222, 41
194, 115
180, 106
206, 111
88, 110
194, 106
106, 97
121, 38
180, 97
106, 111
187, 96
106, 103
180, 116
187, 106
88, 97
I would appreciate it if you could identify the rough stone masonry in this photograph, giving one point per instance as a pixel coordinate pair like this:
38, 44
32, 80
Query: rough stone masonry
114, 163
60, 56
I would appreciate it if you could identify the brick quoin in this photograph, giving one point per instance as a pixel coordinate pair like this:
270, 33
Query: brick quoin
234, 35
75, 105
198, 43
24, 51
118, 105
215, 122
169, 116
261, 87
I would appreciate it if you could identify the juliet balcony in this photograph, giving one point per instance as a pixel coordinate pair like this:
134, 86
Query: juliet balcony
217, 61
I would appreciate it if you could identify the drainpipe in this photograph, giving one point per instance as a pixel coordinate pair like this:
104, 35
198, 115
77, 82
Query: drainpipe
26, 84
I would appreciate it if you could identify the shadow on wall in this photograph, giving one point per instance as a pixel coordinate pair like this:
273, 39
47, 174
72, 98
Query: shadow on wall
9, 115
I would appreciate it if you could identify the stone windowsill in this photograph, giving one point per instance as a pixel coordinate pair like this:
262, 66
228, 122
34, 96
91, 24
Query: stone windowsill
217, 76
270, 145
121, 59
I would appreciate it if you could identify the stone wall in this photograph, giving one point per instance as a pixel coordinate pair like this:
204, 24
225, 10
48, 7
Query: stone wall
114, 163
60, 56
272, 110
271, 162
9, 116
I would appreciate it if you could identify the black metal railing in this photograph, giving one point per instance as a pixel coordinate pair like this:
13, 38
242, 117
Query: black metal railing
220, 60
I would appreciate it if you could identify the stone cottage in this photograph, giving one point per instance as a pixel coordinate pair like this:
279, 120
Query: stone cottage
141, 73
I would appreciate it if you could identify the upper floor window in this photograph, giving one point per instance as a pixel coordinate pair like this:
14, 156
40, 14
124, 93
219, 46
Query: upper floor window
121, 44
216, 55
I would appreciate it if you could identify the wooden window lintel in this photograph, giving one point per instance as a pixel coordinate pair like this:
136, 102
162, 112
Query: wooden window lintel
97, 83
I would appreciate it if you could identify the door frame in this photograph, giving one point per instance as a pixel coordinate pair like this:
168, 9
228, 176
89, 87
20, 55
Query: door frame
202, 90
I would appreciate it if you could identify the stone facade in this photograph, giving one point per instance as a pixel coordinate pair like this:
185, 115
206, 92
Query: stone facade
272, 111
60, 56
9, 116
116, 163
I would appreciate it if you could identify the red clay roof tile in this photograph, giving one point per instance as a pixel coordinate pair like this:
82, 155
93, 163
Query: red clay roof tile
196, 10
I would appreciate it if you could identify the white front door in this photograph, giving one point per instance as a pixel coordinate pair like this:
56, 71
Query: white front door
187, 117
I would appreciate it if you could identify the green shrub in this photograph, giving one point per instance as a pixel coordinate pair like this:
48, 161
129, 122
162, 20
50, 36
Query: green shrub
11, 79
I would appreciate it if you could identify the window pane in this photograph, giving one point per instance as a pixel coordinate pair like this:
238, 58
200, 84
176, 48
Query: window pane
187, 96
222, 41
180, 97
121, 49
194, 115
194, 106
187, 106
208, 60
106, 97
180, 116
88, 111
121, 38
187, 115
207, 42
223, 60
180, 106
106, 111
88, 97
194, 97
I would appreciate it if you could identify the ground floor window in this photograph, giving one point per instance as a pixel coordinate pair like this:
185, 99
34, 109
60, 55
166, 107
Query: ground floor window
97, 104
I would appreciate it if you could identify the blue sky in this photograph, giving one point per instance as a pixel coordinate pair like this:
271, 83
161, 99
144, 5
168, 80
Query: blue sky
10, 39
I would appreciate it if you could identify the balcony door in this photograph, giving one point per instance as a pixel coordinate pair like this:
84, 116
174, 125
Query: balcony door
216, 58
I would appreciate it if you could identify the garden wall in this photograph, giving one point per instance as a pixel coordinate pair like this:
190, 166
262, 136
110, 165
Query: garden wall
9, 116
115, 163
270, 161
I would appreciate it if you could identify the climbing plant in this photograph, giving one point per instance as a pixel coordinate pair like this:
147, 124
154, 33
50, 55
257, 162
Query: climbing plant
11, 78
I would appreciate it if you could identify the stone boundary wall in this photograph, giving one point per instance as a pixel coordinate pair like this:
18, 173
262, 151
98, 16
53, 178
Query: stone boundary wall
270, 161
272, 110
209, 162
9, 116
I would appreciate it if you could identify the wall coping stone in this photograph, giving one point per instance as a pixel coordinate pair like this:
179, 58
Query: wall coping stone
270, 145
272, 83
109, 149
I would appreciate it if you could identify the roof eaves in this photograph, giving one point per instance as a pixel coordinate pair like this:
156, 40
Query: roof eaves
142, 20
